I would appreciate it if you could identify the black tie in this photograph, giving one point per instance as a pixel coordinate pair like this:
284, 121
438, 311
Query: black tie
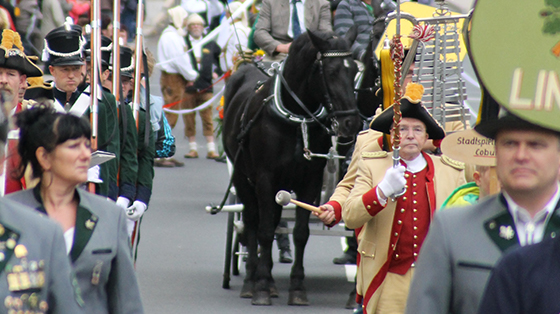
296, 29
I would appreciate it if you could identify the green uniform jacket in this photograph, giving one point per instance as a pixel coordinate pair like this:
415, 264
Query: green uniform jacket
114, 145
128, 162
146, 155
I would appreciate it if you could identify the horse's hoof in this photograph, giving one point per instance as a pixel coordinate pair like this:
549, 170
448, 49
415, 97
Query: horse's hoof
273, 292
298, 297
261, 298
246, 291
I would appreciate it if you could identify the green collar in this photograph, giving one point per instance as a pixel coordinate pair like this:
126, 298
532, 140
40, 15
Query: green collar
501, 228
83, 229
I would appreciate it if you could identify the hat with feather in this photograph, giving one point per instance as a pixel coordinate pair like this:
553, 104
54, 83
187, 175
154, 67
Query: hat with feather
411, 107
13, 57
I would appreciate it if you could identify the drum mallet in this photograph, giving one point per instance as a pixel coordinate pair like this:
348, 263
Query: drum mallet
284, 198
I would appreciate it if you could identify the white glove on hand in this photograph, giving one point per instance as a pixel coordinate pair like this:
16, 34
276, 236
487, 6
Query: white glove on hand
393, 182
93, 174
123, 202
136, 210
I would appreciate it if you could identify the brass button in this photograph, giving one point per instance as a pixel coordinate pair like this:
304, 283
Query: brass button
396, 255
414, 193
406, 175
415, 245
368, 207
415, 219
414, 176
414, 202
413, 184
415, 210
415, 254
404, 198
402, 210
393, 245
399, 222
415, 228
406, 186
415, 237
374, 202
396, 234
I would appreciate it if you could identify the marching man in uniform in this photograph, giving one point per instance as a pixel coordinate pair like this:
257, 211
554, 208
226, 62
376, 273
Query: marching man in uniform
64, 51
393, 230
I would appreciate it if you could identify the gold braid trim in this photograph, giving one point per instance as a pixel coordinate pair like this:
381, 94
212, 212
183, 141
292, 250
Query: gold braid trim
452, 163
380, 154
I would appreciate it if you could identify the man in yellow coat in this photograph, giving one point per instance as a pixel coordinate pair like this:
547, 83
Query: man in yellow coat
393, 230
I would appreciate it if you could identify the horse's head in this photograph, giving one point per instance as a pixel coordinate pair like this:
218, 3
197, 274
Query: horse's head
327, 72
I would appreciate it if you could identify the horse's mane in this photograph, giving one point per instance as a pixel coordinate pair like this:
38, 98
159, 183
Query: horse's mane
307, 53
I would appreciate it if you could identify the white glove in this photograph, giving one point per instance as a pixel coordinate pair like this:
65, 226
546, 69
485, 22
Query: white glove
123, 202
393, 182
93, 174
136, 210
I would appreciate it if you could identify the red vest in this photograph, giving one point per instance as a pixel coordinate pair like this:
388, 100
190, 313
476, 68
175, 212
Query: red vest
411, 222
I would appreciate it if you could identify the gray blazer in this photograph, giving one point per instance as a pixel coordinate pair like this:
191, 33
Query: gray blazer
274, 18
36, 251
100, 254
461, 248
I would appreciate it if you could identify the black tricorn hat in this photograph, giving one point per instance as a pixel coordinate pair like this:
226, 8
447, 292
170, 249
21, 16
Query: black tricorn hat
64, 46
127, 66
106, 49
13, 57
411, 107
508, 121
37, 88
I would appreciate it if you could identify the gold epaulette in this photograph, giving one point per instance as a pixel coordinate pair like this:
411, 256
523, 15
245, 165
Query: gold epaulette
452, 163
380, 154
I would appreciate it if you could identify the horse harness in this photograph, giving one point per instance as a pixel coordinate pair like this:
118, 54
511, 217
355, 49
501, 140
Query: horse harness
324, 112
321, 114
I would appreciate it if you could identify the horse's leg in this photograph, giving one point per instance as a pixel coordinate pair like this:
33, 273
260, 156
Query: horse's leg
269, 216
298, 294
250, 218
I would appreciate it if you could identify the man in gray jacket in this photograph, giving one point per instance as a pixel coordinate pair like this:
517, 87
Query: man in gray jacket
464, 244
282, 21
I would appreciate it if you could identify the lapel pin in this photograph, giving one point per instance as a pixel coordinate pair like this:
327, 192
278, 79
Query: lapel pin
90, 224
507, 232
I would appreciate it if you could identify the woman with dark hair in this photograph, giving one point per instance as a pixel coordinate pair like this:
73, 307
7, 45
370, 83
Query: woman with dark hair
57, 147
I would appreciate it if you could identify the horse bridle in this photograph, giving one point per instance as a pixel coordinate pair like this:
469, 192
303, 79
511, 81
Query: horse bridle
330, 108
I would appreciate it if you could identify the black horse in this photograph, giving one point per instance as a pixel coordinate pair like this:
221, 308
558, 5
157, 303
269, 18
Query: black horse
269, 123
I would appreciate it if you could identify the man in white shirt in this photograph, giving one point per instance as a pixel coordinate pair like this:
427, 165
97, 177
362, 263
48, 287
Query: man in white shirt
206, 59
177, 71
464, 244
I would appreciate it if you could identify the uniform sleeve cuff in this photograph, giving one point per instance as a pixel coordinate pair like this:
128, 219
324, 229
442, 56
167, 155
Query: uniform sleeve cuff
337, 213
372, 202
